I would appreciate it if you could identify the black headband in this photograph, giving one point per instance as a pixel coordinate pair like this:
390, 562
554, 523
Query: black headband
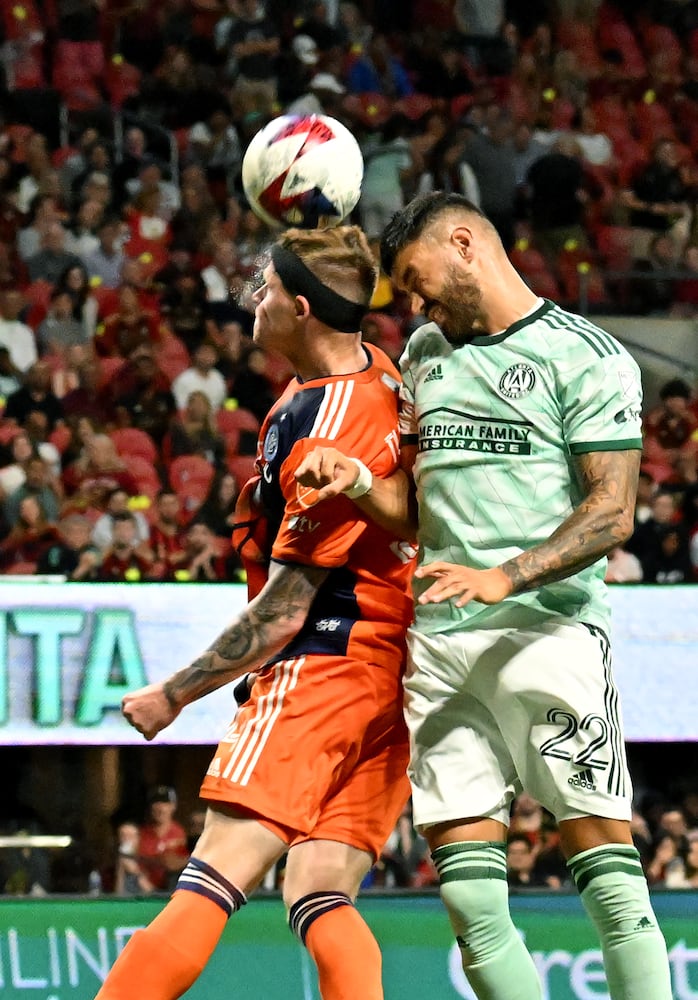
327, 306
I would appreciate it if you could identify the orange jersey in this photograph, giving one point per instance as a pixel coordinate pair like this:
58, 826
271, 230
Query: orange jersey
363, 608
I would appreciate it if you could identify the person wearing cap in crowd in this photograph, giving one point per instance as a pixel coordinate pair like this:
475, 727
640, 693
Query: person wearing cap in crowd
323, 96
297, 64
162, 847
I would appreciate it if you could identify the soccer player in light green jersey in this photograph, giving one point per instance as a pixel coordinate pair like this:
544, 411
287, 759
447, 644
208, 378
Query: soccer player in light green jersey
521, 450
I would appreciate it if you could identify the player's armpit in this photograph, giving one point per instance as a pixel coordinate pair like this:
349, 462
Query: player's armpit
603, 520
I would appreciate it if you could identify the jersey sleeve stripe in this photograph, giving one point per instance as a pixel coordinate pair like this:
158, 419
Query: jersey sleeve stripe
332, 410
627, 444
327, 410
337, 425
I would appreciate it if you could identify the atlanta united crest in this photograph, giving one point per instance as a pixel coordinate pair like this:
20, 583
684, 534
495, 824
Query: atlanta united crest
517, 381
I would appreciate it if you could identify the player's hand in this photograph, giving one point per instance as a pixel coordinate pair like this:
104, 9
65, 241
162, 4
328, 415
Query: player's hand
328, 471
148, 710
489, 586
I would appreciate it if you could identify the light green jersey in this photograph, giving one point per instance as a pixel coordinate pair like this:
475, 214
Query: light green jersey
498, 422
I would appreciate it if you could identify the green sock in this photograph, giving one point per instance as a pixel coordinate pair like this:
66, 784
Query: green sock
474, 889
614, 892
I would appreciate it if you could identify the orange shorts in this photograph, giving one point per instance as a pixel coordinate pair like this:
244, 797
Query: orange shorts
319, 752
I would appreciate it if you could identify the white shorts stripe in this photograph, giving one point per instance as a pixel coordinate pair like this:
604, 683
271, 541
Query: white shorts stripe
290, 682
258, 727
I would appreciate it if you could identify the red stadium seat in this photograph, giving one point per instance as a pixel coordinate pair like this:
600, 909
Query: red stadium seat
615, 246
132, 441
242, 467
190, 477
146, 476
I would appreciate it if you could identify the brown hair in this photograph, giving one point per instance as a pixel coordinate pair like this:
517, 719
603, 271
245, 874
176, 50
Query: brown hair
340, 258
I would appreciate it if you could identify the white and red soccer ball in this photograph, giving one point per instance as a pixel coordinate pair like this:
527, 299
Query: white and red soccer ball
303, 170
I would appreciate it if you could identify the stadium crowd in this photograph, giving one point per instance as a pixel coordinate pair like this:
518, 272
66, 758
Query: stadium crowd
131, 391
128, 259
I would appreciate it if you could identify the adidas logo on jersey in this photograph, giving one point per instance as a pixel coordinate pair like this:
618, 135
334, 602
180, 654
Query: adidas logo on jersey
214, 770
643, 924
583, 779
434, 374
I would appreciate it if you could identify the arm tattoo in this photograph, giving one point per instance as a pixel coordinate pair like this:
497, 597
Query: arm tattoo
602, 520
264, 627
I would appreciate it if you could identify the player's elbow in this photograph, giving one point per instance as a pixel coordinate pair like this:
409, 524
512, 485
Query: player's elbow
623, 521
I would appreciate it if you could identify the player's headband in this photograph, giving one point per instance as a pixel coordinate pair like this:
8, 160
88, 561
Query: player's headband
327, 306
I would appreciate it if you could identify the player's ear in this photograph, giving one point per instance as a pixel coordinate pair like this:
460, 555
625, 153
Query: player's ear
462, 238
302, 305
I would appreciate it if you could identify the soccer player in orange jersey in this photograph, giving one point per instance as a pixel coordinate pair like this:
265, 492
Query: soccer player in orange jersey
315, 761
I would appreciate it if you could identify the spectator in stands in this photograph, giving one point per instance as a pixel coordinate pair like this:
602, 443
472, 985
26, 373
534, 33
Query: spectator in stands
151, 179
86, 399
659, 198
167, 535
550, 867
379, 71
203, 562
106, 261
129, 877
126, 560
521, 860
59, 329
217, 511
117, 503
72, 555
39, 482
51, 260
193, 431
81, 237
557, 197
184, 306
9, 375
490, 154
30, 535
254, 43
15, 335
194, 218
661, 544
380, 329
202, 376
98, 161
623, 567
140, 395
127, 169
221, 272
129, 327
651, 292
89, 480
527, 818
215, 144
76, 281
683, 872
35, 394
162, 840
13, 272
13, 462
43, 212
387, 168
669, 428
446, 170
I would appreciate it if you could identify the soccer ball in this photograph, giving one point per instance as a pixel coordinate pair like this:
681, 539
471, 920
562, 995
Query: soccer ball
303, 170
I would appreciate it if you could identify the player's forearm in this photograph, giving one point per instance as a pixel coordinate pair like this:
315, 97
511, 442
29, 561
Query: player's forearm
266, 625
583, 539
392, 504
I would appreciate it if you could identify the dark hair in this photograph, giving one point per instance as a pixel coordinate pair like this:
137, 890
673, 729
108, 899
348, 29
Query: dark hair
408, 225
675, 387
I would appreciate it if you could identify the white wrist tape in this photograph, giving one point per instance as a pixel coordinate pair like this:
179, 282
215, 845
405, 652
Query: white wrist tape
362, 484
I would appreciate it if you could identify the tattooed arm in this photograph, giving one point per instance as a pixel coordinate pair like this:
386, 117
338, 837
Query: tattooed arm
266, 625
602, 520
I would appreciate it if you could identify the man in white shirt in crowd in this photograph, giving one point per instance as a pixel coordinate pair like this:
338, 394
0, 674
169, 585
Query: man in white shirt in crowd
202, 376
15, 335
